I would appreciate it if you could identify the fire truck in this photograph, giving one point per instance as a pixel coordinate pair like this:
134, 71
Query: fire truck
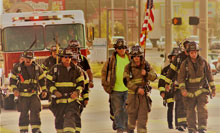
38, 31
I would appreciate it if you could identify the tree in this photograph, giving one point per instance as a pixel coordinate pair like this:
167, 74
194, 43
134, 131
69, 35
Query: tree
6, 4
216, 24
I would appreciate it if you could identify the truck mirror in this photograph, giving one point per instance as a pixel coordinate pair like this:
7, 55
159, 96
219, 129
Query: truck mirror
90, 34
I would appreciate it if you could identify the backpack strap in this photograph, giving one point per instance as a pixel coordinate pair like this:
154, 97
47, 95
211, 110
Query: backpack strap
130, 71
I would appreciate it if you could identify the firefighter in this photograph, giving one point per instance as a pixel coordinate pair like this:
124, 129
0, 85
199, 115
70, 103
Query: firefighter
168, 96
66, 82
84, 98
83, 61
171, 77
136, 77
195, 78
26, 79
112, 82
51, 60
48, 64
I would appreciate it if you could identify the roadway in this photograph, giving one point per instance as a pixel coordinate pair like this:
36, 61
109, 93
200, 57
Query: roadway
95, 118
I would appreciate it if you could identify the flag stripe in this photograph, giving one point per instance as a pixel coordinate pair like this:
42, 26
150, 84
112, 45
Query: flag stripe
148, 21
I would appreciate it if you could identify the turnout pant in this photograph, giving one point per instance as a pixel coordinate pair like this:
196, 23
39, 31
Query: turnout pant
197, 103
137, 109
65, 117
180, 110
33, 105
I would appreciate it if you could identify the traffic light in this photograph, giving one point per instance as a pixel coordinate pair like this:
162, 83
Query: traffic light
177, 21
193, 20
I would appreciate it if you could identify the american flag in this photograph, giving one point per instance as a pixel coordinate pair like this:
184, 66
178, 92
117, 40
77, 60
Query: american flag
148, 21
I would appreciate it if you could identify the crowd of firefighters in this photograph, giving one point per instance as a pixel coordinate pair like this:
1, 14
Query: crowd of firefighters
126, 77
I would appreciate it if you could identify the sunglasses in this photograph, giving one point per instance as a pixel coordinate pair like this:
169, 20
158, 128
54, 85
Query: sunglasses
67, 57
136, 56
121, 47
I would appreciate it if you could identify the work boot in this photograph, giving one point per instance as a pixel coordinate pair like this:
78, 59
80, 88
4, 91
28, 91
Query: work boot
120, 130
185, 126
180, 128
23, 131
191, 131
130, 131
114, 125
170, 125
36, 130
202, 131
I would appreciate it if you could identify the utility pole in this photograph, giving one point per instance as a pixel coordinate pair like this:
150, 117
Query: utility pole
86, 11
203, 28
126, 21
168, 28
112, 7
100, 26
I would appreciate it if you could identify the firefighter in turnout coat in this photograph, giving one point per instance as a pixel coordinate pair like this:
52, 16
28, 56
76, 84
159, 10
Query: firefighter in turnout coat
26, 80
171, 77
66, 82
84, 97
137, 75
50, 61
168, 96
195, 78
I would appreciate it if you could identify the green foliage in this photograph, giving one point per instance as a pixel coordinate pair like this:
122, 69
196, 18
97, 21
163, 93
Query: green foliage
103, 25
118, 28
6, 4
182, 31
216, 24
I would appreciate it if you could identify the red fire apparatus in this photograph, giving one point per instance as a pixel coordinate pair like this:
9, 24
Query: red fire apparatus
19, 30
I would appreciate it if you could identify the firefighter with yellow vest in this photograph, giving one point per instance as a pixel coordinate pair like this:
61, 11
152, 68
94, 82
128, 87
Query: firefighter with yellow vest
66, 82
26, 81
137, 75
195, 78
168, 96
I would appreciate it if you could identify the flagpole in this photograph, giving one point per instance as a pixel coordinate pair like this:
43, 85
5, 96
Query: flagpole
145, 43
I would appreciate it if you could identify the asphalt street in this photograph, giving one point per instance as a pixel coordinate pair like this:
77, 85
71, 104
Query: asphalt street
95, 118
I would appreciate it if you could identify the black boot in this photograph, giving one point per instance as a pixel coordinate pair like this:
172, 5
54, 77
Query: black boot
120, 130
130, 131
180, 128
202, 131
113, 125
36, 130
23, 131
170, 125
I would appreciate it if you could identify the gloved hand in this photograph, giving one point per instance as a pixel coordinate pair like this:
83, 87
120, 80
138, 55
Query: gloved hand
16, 93
58, 94
44, 94
75, 95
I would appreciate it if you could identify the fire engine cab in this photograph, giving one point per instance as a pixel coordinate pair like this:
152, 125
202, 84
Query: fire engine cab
47, 28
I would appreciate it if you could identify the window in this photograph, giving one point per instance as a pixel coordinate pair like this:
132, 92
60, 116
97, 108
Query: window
21, 38
63, 34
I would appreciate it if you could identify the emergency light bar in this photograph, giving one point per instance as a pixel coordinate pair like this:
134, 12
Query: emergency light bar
41, 18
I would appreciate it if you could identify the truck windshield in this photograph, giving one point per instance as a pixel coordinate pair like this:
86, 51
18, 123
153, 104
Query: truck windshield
63, 34
20, 38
